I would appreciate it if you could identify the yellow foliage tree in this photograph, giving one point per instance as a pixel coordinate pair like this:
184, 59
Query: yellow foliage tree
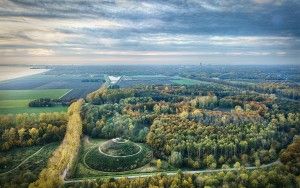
64, 157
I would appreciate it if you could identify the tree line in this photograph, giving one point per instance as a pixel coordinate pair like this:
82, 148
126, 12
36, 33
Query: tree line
31, 129
47, 102
278, 176
64, 157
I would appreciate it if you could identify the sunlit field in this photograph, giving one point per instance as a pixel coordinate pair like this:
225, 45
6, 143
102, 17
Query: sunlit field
16, 101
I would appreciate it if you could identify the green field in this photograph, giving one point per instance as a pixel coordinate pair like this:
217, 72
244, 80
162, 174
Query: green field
16, 101
32, 94
186, 81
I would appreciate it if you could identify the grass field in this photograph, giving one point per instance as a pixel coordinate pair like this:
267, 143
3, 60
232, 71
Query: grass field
186, 81
57, 78
32, 94
16, 101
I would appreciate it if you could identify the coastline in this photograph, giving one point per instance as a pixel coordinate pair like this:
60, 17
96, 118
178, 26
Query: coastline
12, 72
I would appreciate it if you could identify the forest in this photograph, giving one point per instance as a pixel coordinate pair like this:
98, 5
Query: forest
205, 131
31, 129
205, 134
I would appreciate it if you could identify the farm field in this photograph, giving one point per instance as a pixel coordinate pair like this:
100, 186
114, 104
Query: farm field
32, 94
16, 101
24, 109
137, 80
9, 72
80, 83
186, 81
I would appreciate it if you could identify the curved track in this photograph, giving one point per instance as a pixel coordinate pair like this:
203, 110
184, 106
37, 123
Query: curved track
24, 161
171, 173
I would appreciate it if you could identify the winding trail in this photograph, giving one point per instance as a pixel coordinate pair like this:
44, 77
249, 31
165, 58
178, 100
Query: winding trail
120, 156
86, 139
171, 173
24, 161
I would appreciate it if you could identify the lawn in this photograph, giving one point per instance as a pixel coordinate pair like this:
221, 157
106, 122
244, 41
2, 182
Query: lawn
16, 101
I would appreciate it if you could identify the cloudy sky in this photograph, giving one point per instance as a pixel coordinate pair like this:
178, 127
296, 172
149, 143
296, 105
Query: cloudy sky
159, 31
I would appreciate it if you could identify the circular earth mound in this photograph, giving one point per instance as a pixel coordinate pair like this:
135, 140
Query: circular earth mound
118, 155
119, 147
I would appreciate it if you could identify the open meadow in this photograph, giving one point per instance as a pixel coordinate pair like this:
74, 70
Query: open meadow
16, 101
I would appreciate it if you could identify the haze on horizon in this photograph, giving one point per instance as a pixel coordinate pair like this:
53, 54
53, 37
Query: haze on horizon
149, 32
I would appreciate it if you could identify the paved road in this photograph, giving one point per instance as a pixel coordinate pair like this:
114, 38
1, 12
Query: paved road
175, 172
24, 161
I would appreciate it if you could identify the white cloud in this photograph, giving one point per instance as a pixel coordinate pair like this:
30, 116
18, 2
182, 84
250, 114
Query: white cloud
40, 52
10, 23
209, 6
185, 53
137, 7
249, 40
25, 52
49, 36
262, 1
237, 6
245, 41
275, 2
49, 31
281, 53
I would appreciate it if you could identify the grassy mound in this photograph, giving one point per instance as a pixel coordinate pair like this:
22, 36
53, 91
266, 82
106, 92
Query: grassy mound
114, 156
119, 148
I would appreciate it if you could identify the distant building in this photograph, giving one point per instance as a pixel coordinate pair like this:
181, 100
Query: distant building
114, 79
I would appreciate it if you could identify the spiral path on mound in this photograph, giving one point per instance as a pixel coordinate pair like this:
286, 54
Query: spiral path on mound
117, 156
140, 149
